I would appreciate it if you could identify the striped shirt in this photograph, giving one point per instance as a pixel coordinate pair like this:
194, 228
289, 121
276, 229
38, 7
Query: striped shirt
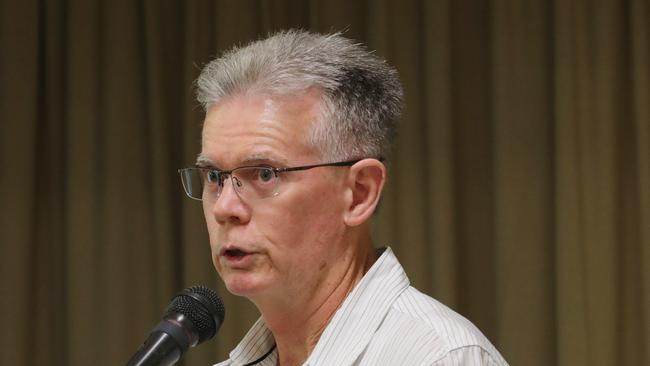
383, 321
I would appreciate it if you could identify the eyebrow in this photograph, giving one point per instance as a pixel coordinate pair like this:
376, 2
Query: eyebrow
258, 158
203, 161
253, 159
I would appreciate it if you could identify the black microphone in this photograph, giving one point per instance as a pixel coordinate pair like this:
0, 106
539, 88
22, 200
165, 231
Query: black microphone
194, 315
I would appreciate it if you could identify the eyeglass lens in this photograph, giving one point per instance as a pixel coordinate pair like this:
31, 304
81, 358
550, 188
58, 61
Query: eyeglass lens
248, 182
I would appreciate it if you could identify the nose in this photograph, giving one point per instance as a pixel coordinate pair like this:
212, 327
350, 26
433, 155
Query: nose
228, 207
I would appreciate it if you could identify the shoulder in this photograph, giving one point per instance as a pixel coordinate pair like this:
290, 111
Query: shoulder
420, 330
453, 329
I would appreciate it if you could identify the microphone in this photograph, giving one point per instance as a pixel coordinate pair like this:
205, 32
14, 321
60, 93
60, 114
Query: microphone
193, 316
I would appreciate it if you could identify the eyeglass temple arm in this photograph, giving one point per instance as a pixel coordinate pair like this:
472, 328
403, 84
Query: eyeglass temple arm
340, 163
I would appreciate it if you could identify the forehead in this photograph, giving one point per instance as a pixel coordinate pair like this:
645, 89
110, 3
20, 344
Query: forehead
247, 128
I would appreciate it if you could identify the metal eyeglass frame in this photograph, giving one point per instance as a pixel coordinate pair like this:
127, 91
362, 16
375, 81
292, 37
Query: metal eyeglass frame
224, 174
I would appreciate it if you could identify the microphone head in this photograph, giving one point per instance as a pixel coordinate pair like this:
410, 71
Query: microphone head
203, 307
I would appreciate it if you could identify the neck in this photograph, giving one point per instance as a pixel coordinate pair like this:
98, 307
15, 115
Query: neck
298, 325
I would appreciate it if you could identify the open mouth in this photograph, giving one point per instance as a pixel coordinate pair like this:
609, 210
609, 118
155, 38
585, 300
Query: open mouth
234, 253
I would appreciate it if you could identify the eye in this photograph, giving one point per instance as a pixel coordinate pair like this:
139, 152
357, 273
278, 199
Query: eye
212, 176
265, 174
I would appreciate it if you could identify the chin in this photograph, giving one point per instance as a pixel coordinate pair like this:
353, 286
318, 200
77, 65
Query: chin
242, 284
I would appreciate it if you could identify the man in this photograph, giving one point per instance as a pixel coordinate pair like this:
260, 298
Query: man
291, 170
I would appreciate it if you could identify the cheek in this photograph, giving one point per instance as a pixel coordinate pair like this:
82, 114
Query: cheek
302, 226
212, 227
209, 221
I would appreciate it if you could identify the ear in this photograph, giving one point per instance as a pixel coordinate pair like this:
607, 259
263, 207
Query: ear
365, 180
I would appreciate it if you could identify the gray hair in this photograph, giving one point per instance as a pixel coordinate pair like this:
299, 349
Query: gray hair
362, 94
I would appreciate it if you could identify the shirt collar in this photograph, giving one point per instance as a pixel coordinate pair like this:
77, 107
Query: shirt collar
360, 315
257, 343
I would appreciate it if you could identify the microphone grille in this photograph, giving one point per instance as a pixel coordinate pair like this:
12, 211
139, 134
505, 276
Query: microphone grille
203, 307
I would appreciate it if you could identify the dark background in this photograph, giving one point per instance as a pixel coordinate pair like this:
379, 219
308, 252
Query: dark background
519, 193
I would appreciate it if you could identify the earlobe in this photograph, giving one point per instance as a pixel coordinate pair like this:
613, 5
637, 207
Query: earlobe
366, 181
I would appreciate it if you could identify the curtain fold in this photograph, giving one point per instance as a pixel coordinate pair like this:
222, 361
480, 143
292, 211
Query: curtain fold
518, 192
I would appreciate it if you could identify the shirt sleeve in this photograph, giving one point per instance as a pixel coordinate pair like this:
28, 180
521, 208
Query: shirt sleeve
468, 356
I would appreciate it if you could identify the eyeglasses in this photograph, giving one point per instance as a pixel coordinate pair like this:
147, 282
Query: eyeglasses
250, 182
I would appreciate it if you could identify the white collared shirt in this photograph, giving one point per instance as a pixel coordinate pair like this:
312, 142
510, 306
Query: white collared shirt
383, 321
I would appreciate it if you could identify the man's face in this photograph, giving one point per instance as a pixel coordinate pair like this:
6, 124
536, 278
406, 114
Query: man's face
285, 245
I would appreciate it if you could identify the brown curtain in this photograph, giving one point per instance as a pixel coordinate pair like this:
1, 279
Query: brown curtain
519, 193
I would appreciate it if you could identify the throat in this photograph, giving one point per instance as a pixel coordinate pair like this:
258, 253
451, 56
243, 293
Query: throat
299, 321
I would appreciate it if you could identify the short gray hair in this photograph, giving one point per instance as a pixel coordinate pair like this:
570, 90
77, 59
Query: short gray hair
362, 94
